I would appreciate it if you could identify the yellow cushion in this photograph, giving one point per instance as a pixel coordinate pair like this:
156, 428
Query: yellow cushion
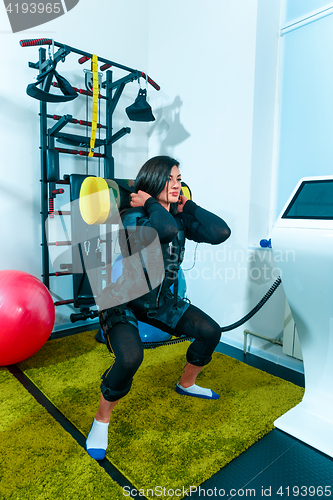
94, 201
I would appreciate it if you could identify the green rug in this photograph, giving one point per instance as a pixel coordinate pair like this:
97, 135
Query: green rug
38, 459
157, 437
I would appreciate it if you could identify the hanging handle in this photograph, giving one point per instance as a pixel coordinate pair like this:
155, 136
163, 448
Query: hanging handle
154, 84
83, 59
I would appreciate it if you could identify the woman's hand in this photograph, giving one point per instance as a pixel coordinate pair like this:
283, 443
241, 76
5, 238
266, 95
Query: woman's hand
181, 202
139, 199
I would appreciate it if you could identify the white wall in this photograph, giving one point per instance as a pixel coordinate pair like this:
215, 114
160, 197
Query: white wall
216, 62
306, 127
110, 32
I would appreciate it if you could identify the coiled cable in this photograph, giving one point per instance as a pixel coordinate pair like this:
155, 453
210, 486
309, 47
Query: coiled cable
253, 311
268, 294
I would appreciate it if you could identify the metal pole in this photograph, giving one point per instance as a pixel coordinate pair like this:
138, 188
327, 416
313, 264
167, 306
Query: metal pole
108, 168
44, 187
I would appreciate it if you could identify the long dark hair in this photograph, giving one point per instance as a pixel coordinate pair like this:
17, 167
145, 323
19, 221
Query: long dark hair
153, 176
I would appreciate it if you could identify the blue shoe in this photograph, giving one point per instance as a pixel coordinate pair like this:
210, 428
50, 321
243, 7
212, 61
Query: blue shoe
196, 392
96, 453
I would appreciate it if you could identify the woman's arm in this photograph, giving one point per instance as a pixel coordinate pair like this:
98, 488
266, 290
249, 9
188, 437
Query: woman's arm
157, 216
161, 220
202, 226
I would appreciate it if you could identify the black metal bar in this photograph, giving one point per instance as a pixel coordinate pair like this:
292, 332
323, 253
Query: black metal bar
67, 49
109, 160
77, 121
77, 152
126, 79
58, 56
69, 152
79, 141
118, 135
95, 155
81, 91
46, 64
108, 165
60, 124
44, 186
88, 54
63, 302
116, 98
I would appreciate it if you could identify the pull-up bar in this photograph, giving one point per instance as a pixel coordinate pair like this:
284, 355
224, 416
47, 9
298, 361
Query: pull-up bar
86, 56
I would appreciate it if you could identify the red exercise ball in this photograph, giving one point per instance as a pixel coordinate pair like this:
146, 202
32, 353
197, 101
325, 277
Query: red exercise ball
26, 316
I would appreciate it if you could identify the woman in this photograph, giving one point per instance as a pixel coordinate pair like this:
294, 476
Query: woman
157, 206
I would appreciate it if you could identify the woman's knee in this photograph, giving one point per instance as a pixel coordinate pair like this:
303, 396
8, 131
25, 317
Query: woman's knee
212, 333
131, 362
117, 380
200, 351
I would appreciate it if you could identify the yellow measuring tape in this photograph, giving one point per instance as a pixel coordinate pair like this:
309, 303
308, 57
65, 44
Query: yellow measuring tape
94, 69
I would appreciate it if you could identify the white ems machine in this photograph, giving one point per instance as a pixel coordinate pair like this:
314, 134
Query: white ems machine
302, 240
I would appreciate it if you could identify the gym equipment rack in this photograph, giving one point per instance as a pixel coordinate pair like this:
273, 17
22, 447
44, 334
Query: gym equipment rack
83, 295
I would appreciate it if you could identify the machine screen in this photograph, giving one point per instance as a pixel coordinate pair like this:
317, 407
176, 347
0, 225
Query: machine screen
313, 200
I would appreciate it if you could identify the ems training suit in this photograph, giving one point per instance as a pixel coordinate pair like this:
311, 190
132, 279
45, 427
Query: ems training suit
160, 306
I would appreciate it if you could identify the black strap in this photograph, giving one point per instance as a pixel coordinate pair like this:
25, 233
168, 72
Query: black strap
44, 95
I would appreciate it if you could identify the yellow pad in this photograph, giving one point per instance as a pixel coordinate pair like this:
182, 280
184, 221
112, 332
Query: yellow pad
186, 191
94, 69
100, 200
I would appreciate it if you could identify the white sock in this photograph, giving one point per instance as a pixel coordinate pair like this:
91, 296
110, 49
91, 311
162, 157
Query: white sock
98, 436
195, 389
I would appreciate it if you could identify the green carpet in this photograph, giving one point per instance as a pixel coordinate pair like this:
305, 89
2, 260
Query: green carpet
38, 459
157, 437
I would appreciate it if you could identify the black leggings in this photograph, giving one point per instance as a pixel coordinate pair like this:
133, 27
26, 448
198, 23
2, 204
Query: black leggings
124, 341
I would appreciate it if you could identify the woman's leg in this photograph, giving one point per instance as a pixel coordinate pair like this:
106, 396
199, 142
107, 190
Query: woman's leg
206, 332
124, 342
196, 324
189, 375
105, 409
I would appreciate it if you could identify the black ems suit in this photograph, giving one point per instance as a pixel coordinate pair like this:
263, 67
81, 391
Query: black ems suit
144, 292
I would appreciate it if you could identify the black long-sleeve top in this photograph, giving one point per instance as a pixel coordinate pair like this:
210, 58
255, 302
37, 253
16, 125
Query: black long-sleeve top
142, 224
199, 224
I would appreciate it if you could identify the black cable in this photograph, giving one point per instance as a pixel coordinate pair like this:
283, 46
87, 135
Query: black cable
268, 294
159, 343
276, 284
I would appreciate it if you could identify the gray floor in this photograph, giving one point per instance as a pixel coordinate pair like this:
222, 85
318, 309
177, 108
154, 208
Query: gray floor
278, 466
